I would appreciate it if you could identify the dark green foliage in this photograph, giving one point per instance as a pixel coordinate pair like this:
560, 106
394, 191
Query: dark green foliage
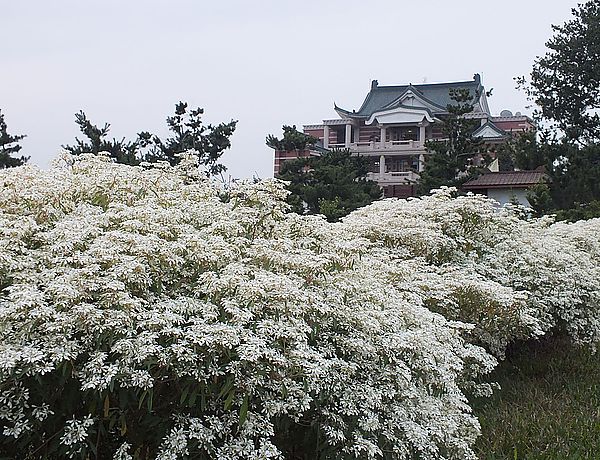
540, 199
573, 190
521, 152
292, 140
208, 142
139, 417
546, 407
189, 134
525, 152
505, 160
9, 145
332, 184
583, 211
575, 175
96, 141
565, 82
451, 157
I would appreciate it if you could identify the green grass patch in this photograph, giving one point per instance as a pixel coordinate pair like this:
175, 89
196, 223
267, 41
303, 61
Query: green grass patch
548, 406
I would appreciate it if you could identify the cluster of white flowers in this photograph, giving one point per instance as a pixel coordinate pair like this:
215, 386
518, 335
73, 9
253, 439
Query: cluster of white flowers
154, 281
474, 262
76, 431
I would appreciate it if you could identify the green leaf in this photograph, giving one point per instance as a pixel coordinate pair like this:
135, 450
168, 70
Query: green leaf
226, 388
184, 394
192, 400
149, 400
106, 406
229, 400
144, 394
244, 410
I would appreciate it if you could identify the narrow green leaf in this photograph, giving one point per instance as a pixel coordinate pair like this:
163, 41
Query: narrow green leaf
229, 400
184, 394
244, 410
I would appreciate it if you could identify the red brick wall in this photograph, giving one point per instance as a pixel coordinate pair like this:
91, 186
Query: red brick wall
318, 133
399, 191
281, 156
514, 125
369, 133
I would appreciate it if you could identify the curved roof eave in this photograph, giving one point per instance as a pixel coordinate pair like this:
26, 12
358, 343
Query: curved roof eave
427, 114
341, 111
366, 101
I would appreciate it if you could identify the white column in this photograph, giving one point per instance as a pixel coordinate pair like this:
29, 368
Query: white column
348, 135
421, 163
356, 134
383, 135
326, 136
382, 164
422, 134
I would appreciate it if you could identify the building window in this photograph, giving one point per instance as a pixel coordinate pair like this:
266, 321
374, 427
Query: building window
410, 134
403, 133
340, 135
373, 165
399, 164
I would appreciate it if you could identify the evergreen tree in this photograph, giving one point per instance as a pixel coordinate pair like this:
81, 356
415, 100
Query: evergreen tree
190, 134
9, 145
525, 150
505, 159
520, 152
450, 162
292, 140
574, 175
96, 141
208, 142
572, 190
565, 82
332, 184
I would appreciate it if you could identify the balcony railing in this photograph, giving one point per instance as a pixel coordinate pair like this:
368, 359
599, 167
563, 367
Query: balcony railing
377, 146
394, 177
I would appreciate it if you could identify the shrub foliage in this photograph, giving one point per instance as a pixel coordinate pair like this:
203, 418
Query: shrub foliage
145, 315
148, 313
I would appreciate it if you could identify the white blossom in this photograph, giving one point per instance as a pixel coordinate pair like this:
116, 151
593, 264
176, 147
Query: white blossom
128, 278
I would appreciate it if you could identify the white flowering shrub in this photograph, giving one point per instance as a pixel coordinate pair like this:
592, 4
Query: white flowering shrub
146, 314
474, 262
558, 267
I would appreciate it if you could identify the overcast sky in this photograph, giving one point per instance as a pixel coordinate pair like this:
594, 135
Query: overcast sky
262, 62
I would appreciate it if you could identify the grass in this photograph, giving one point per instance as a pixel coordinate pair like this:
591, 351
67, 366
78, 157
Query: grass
548, 406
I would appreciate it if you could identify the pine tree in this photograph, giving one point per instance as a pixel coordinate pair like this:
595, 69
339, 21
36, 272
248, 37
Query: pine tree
208, 142
292, 140
565, 85
96, 141
9, 145
565, 82
450, 161
521, 151
333, 184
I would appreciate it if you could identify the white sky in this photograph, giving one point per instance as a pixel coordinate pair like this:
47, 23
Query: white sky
262, 62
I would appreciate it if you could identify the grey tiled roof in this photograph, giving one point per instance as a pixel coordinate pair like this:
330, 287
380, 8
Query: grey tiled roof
436, 93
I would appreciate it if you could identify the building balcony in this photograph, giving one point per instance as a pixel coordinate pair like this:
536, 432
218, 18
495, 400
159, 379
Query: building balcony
394, 178
380, 148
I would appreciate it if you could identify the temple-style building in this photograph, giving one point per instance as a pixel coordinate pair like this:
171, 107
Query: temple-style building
394, 122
